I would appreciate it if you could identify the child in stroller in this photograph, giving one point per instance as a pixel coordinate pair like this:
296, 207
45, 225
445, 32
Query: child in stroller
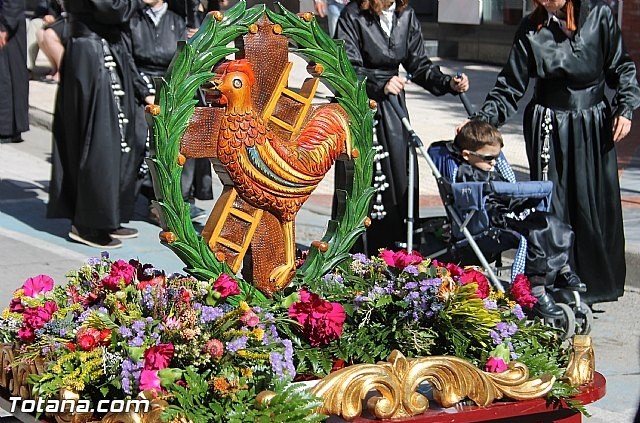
476, 148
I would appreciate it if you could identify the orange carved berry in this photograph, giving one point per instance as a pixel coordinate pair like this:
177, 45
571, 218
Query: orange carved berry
220, 256
373, 104
307, 16
168, 237
320, 245
367, 221
355, 153
153, 109
217, 15
181, 159
277, 29
253, 28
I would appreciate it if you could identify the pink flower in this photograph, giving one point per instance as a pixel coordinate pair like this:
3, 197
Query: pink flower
250, 319
226, 286
16, 306
37, 285
400, 259
121, 272
495, 365
477, 277
521, 292
149, 380
35, 318
158, 357
321, 320
214, 348
26, 334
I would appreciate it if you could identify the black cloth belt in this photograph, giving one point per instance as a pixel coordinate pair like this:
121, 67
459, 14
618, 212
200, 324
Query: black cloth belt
555, 94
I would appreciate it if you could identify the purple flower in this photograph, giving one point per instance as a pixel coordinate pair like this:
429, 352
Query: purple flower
130, 370
412, 270
125, 332
495, 336
490, 304
411, 285
209, 314
237, 344
517, 311
361, 258
93, 261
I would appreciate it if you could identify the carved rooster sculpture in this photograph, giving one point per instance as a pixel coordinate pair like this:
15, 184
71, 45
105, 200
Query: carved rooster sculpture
269, 172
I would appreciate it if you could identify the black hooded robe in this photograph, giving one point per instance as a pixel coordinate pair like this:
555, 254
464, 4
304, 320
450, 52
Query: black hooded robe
377, 57
14, 77
570, 74
93, 180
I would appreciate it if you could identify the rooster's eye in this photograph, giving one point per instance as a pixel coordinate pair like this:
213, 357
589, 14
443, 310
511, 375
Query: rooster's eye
237, 83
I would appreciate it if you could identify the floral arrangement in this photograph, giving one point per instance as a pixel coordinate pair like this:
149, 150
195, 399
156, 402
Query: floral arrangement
209, 348
119, 328
402, 301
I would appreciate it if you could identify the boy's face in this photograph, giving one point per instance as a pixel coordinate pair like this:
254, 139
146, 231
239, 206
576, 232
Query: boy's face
484, 158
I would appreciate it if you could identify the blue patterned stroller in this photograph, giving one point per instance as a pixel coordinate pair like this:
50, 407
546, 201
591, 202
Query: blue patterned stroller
465, 205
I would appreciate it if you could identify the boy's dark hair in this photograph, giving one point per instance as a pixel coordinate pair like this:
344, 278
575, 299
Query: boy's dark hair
476, 134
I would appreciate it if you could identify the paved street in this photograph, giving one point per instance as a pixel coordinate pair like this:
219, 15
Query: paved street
30, 244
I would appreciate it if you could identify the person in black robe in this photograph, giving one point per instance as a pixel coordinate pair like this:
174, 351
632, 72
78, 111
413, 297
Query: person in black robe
573, 48
154, 32
379, 36
96, 153
14, 76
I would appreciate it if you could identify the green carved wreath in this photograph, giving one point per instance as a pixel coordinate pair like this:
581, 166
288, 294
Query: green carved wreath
190, 68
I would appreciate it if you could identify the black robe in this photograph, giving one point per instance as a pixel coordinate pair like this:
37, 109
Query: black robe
14, 77
377, 57
570, 74
93, 179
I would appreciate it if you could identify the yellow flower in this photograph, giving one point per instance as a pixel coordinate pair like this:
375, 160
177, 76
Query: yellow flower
244, 307
258, 333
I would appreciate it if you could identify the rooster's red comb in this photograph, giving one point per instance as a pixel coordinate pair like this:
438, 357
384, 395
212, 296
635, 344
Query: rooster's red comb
240, 65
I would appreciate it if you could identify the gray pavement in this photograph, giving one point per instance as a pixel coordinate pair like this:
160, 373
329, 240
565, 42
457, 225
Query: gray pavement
31, 244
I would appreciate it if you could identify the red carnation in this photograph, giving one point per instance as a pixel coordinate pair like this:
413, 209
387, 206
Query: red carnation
521, 292
121, 272
87, 342
226, 286
321, 320
158, 357
474, 276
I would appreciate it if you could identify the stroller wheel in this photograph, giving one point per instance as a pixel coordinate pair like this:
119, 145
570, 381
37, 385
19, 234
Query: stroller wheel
566, 323
584, 319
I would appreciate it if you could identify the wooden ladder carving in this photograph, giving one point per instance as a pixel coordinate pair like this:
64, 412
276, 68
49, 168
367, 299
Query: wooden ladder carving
237, 219
304, 97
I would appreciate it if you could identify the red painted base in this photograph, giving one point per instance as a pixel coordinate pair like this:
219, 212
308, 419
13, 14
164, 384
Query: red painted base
533, 411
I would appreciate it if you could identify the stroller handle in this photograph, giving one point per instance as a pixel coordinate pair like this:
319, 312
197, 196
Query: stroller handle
468, 107
402, 114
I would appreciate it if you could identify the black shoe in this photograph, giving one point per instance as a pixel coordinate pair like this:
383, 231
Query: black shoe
15, 139
94, 238
196, 212
546, 307
571, 281
124, 233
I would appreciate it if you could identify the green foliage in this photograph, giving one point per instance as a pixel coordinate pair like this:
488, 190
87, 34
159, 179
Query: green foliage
202, 400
